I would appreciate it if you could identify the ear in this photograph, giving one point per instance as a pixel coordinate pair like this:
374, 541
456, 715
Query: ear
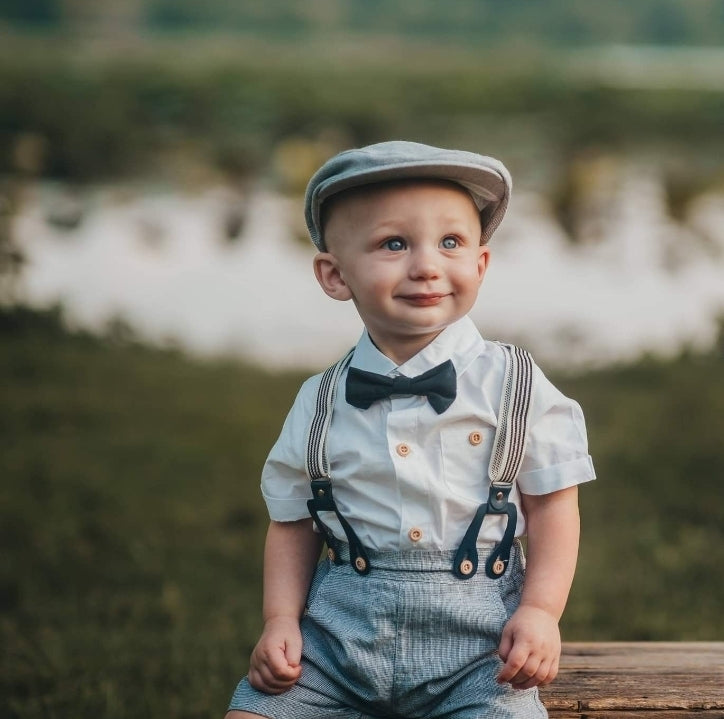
329, 275
483, 261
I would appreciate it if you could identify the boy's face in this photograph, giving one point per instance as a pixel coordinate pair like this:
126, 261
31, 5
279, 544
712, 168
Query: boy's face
410, 258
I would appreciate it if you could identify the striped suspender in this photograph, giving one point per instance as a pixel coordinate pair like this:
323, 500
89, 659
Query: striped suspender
505, 461
512, 431
317, 462
317, 466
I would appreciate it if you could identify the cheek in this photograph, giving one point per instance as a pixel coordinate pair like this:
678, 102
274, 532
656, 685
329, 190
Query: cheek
366, 284
378, 279
469, 278
372, 283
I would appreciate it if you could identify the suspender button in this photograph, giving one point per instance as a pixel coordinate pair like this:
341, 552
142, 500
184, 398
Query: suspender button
360, 564
331, 555
498, 567
499, 496
466, 567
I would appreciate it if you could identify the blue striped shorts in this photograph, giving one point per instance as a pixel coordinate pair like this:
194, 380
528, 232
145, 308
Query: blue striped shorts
408, 640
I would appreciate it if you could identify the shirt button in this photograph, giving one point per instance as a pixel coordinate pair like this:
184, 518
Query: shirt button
403, 449
415, 534
475, 438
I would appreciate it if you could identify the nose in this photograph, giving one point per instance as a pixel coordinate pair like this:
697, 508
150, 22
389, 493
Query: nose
424, 263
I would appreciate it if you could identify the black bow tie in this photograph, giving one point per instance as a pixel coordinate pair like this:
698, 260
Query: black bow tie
438, 384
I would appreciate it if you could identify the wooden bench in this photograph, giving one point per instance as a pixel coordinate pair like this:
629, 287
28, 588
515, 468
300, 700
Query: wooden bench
639, 680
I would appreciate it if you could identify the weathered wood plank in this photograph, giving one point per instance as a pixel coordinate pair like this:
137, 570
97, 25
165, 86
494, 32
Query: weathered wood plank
584, 714
671, 680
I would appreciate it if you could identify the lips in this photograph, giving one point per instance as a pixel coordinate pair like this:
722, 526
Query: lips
425, 299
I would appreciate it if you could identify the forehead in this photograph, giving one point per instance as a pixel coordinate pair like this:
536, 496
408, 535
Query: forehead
357, 196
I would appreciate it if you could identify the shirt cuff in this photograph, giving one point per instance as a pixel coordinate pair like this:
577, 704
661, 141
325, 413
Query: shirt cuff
286, 510
559, 476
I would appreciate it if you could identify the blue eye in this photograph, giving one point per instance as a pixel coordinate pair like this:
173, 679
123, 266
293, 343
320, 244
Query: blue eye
449, 243
395, 244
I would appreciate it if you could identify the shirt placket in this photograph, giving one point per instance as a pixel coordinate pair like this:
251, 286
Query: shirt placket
411, 469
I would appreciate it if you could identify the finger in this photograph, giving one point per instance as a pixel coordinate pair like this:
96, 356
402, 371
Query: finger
281, 676
260, 683
293, 651
270, 688
263, 680
272, 669
546, 672
551, 673
530, 676
506, 644
275, 659
519, 668
517, 657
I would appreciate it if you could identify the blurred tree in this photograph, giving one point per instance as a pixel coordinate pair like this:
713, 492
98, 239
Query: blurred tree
123, 15
666, 23
31, 12
556, 22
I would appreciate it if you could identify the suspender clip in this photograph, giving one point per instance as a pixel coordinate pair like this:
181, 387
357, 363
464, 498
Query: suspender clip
322, 495
465, 564
323, 501
498, 503
498, 498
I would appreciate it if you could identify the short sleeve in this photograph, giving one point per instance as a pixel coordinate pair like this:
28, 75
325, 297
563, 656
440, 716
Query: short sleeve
556, 455
284, 481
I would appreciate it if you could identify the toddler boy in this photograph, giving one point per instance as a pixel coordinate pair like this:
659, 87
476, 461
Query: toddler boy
419, 458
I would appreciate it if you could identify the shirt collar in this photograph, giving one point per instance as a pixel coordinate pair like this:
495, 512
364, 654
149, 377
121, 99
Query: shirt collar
460, 342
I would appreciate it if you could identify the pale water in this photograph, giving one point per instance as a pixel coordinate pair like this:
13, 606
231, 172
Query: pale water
161, 261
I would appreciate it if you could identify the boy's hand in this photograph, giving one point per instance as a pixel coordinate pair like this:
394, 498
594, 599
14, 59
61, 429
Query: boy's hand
531, 648
275, 662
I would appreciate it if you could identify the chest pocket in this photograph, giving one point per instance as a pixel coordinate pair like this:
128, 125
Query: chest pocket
466, 448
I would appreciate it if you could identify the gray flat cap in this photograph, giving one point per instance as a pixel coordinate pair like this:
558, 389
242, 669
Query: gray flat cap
485, 178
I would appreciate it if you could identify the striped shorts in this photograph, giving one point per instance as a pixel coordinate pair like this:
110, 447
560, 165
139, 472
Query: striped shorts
407, 640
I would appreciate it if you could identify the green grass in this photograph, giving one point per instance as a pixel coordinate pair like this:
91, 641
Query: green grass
131, 523
652, 526
132, 526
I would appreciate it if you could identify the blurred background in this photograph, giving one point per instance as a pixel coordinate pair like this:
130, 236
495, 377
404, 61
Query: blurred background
158, 312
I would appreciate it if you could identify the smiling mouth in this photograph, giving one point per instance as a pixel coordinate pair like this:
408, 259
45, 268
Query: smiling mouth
425, 299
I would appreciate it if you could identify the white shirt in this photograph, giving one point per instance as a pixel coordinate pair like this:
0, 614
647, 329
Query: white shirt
408, 478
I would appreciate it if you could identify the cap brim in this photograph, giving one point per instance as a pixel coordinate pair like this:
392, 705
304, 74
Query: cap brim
485, 178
